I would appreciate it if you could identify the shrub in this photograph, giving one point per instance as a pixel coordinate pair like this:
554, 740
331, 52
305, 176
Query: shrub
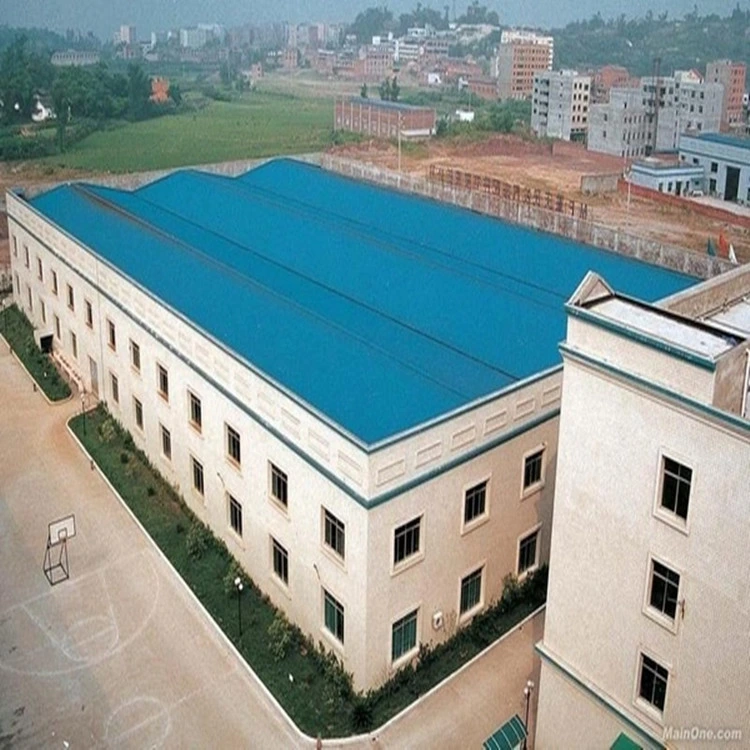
197, 540
124, 457
279, 636
108, 430
150, 491
511, 590
363, 712
234, 571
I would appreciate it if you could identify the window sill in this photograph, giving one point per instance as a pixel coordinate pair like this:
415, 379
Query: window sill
236, 538
234, 464
661, 619
474, 524
280, 507
334, 556
407, 563
283, 587
532, 489
670, 519
332, 640
405, 659
470, 613
526, 573
163, 396
650, 711
196, 428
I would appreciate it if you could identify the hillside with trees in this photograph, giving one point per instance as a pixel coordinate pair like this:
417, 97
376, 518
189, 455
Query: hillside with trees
683, 43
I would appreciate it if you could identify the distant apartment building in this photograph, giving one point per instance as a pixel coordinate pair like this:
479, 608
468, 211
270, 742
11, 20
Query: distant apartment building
516, 64
560, 104
290, 58
622, 126
510, 36
484, 88
75, 58
636, 122
646, 632
607, 78
193, 37
378, 62
382, 119
732, 76
125, 35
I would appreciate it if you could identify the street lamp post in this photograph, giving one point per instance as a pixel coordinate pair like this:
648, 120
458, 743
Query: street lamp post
238, 584
527, 691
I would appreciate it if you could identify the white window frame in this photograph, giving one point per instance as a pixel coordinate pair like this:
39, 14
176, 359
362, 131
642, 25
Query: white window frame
537, 486
477, 521
640, 703
111, 335
664, 515
138, 402
135, 346
536, 529
162, 393
655, 614
74, 345
162, 430
88, 313
196, 426
273, 541
231, 460
407, 656
237, 535
479, 606
329, 635
55, 283
114, 387
282, 506
70, 297
416, 557
332, 552
196, 490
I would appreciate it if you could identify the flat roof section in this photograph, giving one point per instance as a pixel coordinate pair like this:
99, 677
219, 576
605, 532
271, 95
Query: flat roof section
735, 317
379, 309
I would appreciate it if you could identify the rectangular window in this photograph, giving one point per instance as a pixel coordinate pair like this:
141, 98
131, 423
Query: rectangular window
54, 283
280, 562
198, 484
234, 449
115, 385
162, 382
404, 635
714, 167
111, 335
527, 552
18, 283
278, 485
135, 355
89, 314
652, 686
57, 329
235, 515
532, 469
406, 540
138, 409
665, 586
333, 616
475, 502
166, 442
26, 256
71, 298
675, 488
74, 345
196, 411
31, 301
334, 533
471, 590
39, 269
44, 310
15, 247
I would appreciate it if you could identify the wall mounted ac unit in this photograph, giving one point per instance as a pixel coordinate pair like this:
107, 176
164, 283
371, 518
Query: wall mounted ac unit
437, 620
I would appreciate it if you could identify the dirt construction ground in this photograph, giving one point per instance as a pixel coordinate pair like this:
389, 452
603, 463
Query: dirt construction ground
532, 164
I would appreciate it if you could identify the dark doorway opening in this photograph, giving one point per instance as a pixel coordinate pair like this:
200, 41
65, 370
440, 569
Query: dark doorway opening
732, 188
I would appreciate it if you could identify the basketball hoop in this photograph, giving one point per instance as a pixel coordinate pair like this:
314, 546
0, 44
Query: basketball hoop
56, 567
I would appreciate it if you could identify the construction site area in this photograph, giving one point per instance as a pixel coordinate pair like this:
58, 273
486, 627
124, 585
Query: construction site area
538, 169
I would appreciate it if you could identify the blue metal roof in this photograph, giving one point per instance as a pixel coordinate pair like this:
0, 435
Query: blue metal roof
378, 309
725, 140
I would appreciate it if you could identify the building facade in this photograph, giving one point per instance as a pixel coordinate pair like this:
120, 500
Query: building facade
732, 76
383, 119
646, 632
725, 161
516, 64
75, 58
377, 468
510, 36
560, 105
667, 177
622, 127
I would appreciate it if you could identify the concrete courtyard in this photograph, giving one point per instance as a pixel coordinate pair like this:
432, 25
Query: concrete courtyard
121, 656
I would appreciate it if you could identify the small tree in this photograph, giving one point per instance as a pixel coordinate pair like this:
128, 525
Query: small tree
385, 90
395, 89
363, 91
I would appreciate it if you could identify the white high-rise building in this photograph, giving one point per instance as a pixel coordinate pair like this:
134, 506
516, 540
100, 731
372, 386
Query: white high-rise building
560, 104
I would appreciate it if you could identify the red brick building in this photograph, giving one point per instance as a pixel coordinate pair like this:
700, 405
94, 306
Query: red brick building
383, 119
517, 64
732, 76
485, 88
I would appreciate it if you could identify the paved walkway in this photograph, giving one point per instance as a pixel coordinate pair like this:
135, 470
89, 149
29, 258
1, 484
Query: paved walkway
121, 656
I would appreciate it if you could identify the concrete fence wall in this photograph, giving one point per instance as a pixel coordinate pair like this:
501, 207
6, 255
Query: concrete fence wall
581, 230
598, 184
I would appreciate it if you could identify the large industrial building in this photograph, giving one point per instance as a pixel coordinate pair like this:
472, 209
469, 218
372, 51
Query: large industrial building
647, 629
357, 390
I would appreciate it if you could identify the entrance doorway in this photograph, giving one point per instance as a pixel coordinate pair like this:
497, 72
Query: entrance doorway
732, 187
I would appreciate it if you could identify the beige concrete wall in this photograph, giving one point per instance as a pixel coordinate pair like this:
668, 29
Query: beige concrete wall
607, 529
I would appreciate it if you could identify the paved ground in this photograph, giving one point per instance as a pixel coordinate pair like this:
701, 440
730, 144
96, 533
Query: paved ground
120, 655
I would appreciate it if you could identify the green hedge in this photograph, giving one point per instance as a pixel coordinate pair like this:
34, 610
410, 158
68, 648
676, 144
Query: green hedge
319, 698
19, 333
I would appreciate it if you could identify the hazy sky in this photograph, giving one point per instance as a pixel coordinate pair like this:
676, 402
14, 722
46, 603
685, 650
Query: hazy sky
103, 16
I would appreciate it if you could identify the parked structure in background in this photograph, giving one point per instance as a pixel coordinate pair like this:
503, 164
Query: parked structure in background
519, 57
725, 161
376, 452
637, 122
639, 577
560, 105
75, 58
382, 119
667, 176
732, 76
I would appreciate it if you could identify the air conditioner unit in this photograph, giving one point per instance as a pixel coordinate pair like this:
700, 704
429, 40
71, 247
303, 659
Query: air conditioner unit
437, 620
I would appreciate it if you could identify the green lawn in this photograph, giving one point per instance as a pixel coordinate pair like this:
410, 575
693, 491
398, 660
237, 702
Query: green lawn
19, 333
261, 124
